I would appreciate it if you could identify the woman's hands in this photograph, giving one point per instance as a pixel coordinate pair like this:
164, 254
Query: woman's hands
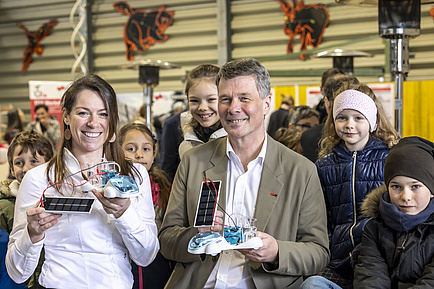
115, 206
38, 221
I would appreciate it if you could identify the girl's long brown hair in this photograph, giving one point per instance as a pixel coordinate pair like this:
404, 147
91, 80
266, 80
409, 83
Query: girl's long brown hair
111, 150
156, 173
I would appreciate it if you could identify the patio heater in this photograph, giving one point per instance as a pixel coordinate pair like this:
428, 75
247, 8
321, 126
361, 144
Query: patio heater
149, 74
343, 58
399, 20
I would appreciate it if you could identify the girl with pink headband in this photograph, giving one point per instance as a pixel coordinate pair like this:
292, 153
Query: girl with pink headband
357, 138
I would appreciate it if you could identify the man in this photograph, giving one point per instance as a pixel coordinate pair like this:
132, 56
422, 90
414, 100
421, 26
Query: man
45, 125
260, 178
278, 118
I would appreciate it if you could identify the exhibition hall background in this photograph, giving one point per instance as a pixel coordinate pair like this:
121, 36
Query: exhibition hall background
212, 32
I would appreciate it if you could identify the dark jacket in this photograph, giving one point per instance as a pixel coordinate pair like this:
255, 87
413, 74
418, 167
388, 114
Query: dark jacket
278, 119
392, 259
171, 138
346, 177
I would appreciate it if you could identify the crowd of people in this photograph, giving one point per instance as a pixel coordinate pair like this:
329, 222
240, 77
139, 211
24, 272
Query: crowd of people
340, 200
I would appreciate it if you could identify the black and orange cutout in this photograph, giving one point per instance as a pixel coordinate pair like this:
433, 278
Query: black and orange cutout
34, 39
144, 28
308, 21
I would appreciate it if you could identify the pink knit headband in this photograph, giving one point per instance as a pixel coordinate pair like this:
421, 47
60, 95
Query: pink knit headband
356, 100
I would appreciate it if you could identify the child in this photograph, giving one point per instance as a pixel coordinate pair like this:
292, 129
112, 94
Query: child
357, 139
397, 249
201, 91
27, 150
138, 144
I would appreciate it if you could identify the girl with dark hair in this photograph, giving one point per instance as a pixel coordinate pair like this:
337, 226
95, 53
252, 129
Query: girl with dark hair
83, 250
139, 144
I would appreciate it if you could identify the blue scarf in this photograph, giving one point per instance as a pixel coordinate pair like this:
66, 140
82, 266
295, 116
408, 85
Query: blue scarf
399, 221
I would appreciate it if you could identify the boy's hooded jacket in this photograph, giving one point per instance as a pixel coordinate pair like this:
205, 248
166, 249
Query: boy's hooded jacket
390, 258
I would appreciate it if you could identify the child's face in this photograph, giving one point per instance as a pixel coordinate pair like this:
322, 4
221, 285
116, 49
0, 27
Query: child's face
409, 195
353, 128
138, 147
24, 162
203, 101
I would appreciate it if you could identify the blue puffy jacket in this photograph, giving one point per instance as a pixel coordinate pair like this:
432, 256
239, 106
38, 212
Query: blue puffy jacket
346, 177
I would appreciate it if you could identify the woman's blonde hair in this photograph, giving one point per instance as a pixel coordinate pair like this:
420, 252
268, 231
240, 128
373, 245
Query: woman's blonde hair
384, 132
290, 137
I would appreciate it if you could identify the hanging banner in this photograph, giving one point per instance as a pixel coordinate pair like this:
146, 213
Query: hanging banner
48, 93
313, 96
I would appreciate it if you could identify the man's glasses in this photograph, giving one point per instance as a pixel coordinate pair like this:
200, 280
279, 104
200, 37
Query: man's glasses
304, 126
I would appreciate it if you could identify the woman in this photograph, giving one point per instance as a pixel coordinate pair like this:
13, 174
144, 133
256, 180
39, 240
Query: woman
83, 250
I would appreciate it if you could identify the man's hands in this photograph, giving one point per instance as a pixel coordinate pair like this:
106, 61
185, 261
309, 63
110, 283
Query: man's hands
268, 253
38, 221
45, 122
218, 224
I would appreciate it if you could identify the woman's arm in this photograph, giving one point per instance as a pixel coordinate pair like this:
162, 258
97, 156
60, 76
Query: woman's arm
137, 224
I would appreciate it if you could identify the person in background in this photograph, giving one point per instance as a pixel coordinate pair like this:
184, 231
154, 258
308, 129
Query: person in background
290, 137
45, 125
138, 144
302, 117
204, 123
321, 107
277, 118
171, 138
28, 149
260, 178
357, 140
16, 119
310, 139
397, 249
178, 106
83, 250
159, 120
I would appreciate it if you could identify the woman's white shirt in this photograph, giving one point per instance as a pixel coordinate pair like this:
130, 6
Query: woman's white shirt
83, 250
